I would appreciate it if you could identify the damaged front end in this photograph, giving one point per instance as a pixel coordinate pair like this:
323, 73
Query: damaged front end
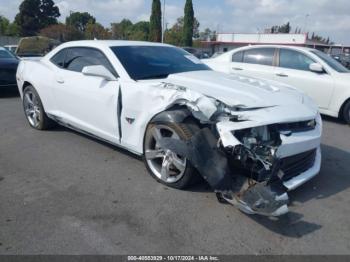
245, 177
241, 160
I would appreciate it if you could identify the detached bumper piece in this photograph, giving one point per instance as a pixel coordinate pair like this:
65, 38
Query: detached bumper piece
267, 197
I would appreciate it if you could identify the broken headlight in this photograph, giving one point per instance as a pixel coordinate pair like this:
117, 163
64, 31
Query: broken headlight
256, 154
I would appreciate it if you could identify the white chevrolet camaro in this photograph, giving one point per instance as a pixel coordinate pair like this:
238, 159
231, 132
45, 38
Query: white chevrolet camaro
320, 76
251, 140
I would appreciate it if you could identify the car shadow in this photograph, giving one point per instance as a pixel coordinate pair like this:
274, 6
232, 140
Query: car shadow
324, 185
121, 150
333, 120
333, 179
289, 225
8, 93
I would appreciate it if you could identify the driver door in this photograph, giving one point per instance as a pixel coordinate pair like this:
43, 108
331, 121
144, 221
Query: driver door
88, 103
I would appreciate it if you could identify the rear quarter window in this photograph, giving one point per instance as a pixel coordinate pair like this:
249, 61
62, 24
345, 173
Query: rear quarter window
259, 56
58, 59
237, 57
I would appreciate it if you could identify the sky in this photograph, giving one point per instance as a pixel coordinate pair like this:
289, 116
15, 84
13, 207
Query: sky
324, 17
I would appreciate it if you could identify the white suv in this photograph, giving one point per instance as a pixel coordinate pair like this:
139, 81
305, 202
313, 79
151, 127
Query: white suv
320, 76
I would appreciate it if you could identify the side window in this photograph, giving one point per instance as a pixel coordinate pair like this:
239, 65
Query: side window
237, 57
294, 60
79, 57
260, 56
58, 59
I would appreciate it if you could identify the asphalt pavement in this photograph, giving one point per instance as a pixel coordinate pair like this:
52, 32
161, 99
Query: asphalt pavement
65, 193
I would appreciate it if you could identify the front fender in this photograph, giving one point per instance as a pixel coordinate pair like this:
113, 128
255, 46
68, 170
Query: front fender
171, 116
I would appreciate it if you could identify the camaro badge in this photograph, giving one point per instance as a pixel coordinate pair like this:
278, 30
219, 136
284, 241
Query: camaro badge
130, 120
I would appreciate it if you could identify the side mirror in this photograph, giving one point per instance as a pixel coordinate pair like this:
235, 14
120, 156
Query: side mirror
316, 67
99, 71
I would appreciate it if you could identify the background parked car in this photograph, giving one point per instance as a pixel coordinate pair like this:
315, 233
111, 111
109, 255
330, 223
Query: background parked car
344, 59
317, 74
35, 47
201, 54
8, 68
11, 48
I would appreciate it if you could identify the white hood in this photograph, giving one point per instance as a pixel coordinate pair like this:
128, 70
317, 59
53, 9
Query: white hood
236, 90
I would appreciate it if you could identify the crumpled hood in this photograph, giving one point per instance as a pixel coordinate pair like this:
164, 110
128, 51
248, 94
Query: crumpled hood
236, 90
266, 101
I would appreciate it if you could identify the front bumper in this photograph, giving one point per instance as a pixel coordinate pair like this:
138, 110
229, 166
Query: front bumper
290, 184
299, 180
249, 198
266, 195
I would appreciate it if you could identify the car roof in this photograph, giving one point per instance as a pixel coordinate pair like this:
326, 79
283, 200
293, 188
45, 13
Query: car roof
110, 43
276, 46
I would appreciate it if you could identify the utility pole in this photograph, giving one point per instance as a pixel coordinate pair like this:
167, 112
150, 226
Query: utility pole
163, 22
305, 26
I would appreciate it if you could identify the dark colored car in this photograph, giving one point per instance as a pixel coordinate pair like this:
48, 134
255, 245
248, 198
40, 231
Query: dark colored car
344, 59
8, 69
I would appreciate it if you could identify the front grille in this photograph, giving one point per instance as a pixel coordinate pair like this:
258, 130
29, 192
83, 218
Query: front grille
295, 127
295, 165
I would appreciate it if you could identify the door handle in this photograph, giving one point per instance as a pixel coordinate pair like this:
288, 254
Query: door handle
60, 80
281, 75
237, 68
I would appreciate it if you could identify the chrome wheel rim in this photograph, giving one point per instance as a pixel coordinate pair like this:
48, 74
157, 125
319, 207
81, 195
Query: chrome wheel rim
164, 164
32, 108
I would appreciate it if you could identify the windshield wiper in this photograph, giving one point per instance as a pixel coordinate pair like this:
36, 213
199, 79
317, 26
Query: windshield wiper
154, 77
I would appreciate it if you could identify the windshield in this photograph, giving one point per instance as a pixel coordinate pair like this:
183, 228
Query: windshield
6, 54
330, 61
151, 62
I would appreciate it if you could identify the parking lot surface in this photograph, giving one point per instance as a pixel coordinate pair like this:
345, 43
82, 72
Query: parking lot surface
65, 193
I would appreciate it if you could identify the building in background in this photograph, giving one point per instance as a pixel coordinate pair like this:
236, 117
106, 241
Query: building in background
228, 41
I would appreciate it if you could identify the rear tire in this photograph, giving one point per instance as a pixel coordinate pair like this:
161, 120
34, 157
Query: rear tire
180, 175
34, 110
346, 112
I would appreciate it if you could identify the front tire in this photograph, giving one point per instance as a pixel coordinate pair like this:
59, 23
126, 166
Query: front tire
165, 166
346, 112
34, 110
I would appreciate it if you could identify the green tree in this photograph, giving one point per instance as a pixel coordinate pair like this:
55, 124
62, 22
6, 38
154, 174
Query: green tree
206, 35
62, 33
188, 24
4, 24
80, 20
13, 30
140, 31
156, 22
174, 35
36, 14
122, 30
126, 30
283, 29
96, 30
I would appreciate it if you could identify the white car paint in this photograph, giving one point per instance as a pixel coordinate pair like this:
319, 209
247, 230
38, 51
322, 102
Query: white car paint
90, 103
330, 89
